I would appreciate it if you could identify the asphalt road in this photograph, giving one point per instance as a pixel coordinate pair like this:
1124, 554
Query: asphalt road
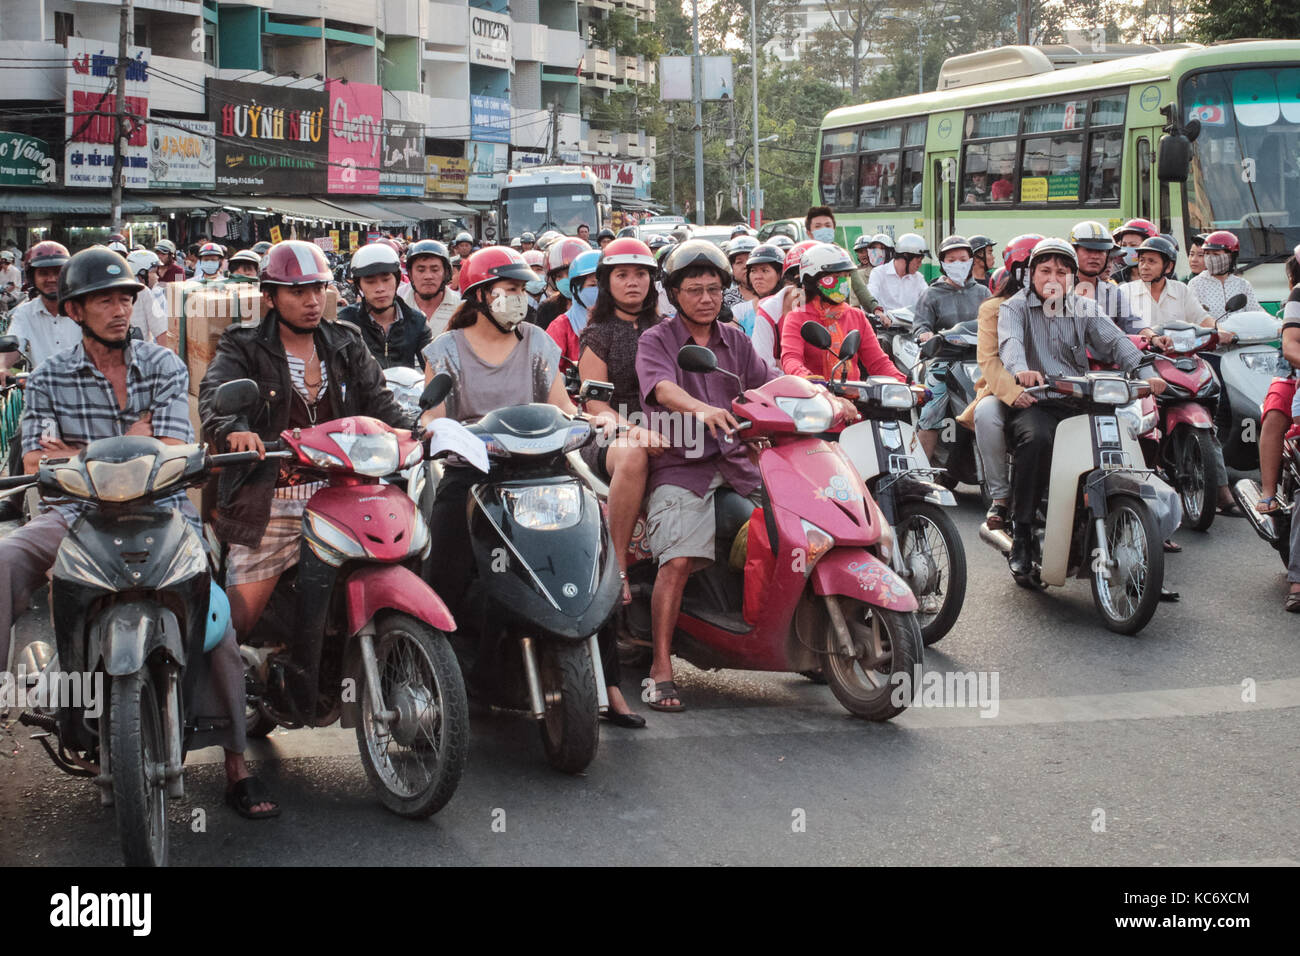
1104, 750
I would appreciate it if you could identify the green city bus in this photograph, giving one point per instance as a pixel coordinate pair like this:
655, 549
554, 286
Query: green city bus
1013, 142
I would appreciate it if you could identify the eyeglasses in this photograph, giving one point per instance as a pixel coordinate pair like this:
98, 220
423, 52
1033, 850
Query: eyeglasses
702, 291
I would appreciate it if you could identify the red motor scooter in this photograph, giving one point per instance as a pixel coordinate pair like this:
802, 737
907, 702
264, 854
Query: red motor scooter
817, 583
352, 633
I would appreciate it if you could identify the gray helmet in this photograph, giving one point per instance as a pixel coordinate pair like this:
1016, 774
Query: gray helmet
741, 244
96, 269
691, 254
1053, 247
462, 237
529, 238
861, 242
432, 247
980, 242
953, 244
767, 253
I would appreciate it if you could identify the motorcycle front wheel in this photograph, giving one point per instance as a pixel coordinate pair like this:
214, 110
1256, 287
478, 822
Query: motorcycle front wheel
874, 683
137, 756
571, 727
932, 552
415, 762
1127, 591
1194, 451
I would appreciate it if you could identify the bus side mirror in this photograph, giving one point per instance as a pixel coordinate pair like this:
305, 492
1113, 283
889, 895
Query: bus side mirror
1174, 158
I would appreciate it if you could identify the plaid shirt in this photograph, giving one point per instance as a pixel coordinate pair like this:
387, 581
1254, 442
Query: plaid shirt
77, 397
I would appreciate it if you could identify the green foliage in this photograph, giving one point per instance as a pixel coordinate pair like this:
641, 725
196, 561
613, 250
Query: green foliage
1238, 19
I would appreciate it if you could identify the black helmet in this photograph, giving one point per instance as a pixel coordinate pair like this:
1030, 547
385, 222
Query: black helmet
691, 254
96, 269
428, 247
605, 234
1161, 245
980, 242
766, 252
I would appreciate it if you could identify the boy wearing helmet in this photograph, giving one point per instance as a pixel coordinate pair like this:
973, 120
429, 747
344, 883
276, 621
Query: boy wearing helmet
1219, 281
41, 329
246, 264
900, 284
67, 408
428, 263
394, 332
11, 278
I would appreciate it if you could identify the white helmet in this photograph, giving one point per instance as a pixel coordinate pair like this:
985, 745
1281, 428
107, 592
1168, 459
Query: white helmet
546, 238
823, 258
910, 244
463, 236
780, 240
374, 259
741, 244
118, 247
142, 260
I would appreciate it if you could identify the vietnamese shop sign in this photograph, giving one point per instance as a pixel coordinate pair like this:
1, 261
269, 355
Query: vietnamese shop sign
25, 161
356, 137
403, 166
270, 139
489, 119
91, 125
182, 154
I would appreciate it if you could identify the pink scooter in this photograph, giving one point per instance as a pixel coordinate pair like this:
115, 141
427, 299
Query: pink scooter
820, 591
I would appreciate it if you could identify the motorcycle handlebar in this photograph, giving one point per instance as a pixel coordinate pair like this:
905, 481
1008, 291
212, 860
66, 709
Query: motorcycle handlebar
17, 481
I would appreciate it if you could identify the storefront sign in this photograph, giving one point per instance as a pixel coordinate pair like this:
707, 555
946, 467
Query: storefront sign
489, 39
403, 166
354, 240
25, 161
91, 104
489, 119
356, 137
182, 154
275, 234
445, 175
484, 188
271, 139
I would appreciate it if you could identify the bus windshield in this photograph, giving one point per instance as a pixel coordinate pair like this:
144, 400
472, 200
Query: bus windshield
1245, 174
538, 208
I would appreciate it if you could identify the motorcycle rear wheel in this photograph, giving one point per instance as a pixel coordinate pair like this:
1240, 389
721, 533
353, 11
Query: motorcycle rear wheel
1193, 453
927, 534
571, 728
415, 763
886, 643
137, 759
1127, 600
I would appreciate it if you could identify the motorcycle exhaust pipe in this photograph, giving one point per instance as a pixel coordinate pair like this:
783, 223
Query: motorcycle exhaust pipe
172, 729
1246, 491
536, 701
998, 539
598, 667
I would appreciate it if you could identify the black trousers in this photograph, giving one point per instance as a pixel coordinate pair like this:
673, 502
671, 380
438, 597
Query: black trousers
1029, 436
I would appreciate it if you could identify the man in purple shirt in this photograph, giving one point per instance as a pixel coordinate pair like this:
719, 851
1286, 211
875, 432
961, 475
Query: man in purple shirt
683, 478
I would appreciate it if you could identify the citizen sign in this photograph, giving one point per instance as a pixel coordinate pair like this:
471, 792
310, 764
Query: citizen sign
489, 41
491, 29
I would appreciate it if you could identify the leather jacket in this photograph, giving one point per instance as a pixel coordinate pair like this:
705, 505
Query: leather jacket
406, 338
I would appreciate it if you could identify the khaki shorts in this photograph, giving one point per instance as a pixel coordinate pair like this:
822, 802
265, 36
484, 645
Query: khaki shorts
681, 524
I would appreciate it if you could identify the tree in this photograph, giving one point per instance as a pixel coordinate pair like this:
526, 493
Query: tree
853, 19
1213, 20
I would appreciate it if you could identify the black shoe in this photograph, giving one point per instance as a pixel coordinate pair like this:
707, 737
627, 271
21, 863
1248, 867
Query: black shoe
1021, 560
633, 721
1170, 596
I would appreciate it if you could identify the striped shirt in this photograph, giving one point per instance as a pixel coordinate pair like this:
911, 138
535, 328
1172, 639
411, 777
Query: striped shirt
297, 373
1028, 339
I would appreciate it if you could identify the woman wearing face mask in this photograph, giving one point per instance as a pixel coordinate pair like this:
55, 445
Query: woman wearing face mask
496, 360
758, 316
1219, 282
208, 266
535, 288
580, 291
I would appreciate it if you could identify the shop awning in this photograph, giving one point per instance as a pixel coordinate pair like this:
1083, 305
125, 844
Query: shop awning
299, 207
419, 209
183, 202
67, 204
362, 211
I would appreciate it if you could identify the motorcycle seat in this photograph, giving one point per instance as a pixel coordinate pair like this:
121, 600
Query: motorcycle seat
730, 512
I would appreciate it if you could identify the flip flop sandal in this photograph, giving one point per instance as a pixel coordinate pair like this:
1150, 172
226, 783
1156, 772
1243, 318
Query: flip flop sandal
665, 690
997, 517
1270, 500
1231, 511
1171, 548
1293, 602
248, 793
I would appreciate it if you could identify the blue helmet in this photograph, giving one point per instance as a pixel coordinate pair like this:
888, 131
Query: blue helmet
583, 265
218, 617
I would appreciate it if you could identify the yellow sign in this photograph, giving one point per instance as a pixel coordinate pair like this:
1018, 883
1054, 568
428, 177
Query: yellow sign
334, 240
275, 234
354, 240
1033, 189
446, 175
918, 223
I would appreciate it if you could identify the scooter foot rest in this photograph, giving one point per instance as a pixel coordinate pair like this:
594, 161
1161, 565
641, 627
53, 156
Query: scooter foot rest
728, 621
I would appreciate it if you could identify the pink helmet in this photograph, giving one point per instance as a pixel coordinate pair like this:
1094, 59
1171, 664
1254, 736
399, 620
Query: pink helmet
295, 262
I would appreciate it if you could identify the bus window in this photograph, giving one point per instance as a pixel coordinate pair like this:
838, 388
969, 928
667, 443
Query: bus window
839, 175
912, 176
1144, 178
878, 180
1104, 154
989, 173
1050, 169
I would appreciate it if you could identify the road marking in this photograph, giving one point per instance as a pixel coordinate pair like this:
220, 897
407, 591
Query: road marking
774, 720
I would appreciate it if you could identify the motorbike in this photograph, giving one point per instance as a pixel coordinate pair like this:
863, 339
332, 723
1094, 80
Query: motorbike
352, 634
407, 384
897, 342
1185, 419
836, 605
547, 578
951, 354
1107, 515
1274, 527
1246, 368
886, 454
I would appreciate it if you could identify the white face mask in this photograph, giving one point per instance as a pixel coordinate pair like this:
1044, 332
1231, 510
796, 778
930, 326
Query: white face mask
824, 234
1218, 263
509, 309
958, 271
209, 266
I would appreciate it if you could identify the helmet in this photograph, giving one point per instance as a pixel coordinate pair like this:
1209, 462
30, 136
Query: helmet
562, 252
1053, 247
211, 249
1199, 238
1143, 227
1091, 234
529, 238
6, 255
769, 253
493, 263
428, 247
740, 245
117, 237
781, 241
692, 254
980, 242
740, 229
516, 243
142, 261
910, 244
46, 255
546, 238
119, 247
626, 252
261, 248
582, 266
998, 279
796, 252
246, 255
1222, 241
1167, 237
165, 246
295, 262
373, 259
952, 244
1163, 246
605, 234
823, 258
534, 258
861, 242
663, 251
95, 270
882, 239
462, 236
658, 242
1015, 257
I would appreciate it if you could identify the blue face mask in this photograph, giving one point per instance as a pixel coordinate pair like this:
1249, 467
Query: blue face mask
824, 234
535, 287
588, 296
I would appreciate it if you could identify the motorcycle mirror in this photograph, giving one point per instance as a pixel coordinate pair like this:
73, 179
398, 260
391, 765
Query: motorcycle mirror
8, 344
237, 397
815, 334
1235, 304
436, 392
696, 358
849, 347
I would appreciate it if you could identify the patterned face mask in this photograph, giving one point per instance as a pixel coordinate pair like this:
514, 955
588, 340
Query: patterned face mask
1218, 263
876, 257
834, 287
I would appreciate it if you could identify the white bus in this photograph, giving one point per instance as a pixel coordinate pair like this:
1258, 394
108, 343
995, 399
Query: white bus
552, 197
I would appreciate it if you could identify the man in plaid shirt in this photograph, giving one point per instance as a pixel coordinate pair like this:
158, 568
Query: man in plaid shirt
106, 386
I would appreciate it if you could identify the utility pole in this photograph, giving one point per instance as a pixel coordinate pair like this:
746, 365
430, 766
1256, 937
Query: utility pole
697, 91
672, 162
555, 132
731, 108
756, 204
119, 126
1022, 24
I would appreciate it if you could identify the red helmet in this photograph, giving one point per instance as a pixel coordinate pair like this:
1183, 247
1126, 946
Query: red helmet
628, 251
493, 263
47, 255
295, 262
563, 251
1015, 256
998, 280
211, 249
1143, 227
1222, 241
796, 253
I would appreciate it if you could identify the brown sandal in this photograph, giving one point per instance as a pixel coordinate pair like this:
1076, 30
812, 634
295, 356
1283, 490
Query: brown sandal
1292, 601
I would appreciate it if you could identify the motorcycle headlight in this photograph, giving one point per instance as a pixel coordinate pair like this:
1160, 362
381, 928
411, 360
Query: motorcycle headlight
1134, 421
321, 459
121, 481
189, 561
811, 415
1110, 391
1183, 340
544, 507
895, 396
72, 481
371, 455
1265, 363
